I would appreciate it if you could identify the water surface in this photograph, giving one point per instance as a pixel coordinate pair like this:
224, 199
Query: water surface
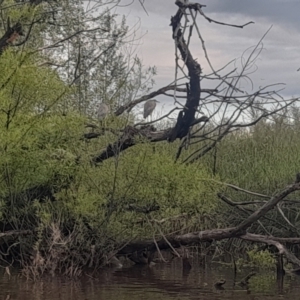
162, 281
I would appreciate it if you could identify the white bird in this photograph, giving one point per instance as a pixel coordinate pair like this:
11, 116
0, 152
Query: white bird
103, 110
149, 107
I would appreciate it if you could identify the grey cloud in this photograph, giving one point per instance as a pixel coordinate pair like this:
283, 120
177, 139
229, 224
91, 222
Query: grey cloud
277, 63
273, 11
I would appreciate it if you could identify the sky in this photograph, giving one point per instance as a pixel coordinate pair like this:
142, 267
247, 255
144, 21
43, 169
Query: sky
277, 63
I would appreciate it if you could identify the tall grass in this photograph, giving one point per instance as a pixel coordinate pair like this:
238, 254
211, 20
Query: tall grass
264, 159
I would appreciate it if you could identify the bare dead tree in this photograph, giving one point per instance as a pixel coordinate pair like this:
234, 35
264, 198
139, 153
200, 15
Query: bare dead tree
226, 108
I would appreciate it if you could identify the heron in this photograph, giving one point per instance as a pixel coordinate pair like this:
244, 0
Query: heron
103, 110
149, 107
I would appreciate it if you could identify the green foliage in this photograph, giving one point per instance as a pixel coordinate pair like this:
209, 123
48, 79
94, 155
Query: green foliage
142, 178
263, 283
262, 259
32, 127
18, 13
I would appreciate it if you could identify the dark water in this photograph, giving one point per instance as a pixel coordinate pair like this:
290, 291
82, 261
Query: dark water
162, 281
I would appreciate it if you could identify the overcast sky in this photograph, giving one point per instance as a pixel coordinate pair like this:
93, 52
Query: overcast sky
278, 62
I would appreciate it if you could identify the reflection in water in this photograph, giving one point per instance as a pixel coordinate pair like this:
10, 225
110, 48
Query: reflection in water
162, 281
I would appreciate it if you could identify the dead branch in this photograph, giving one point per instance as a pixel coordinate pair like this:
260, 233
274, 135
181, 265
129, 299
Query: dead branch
231, 124
99, 132
267, 207
248, 211
162, 91
234, 203
219, 234
237, 188
130, 138
266, 240
13, 233
284, 217
177, 241
291, 241
187, 116
129, 106
245, 280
